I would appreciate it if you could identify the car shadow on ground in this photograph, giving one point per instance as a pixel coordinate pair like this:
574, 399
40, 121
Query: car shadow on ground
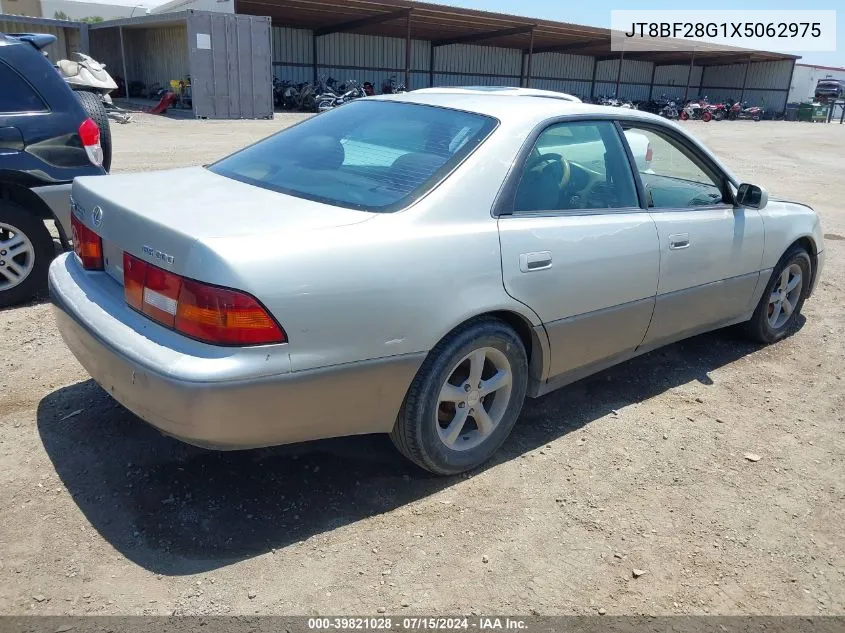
175, 509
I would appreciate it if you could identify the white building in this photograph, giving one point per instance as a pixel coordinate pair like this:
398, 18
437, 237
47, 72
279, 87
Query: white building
805, 78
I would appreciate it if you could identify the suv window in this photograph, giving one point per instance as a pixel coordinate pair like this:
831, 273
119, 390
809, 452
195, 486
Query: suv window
369, 155
17, 95
578, 165
675, 177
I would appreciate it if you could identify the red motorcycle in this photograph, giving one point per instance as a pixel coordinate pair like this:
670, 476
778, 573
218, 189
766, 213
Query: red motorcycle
714, 111
740, 111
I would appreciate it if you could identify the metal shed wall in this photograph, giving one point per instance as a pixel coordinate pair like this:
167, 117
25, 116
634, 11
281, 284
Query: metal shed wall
471, 60
156, 55
347, 56
766, 83
761, 75
633, 71
677, 75
67, 38
557, 66
105, 48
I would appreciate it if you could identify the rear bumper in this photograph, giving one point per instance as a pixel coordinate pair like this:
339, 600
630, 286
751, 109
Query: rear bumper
244, 410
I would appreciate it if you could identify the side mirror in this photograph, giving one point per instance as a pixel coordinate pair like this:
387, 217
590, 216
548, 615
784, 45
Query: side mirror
752, 196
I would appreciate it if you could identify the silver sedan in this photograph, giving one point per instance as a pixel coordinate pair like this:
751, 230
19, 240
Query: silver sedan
416, 265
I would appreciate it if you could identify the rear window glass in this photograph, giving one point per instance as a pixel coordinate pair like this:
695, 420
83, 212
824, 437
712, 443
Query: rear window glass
369, 155
16, 95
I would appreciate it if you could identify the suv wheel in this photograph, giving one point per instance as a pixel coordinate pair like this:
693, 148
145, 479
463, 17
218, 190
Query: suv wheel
26, 250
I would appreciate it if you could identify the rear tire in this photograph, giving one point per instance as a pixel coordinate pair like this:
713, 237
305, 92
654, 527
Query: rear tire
768, 325
93, 104
26, 250
447, 425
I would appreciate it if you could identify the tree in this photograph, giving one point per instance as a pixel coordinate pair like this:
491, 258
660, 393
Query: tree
94, 19
61, 15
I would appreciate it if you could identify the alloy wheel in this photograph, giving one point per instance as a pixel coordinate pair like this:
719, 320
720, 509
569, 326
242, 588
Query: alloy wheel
785, 296
17, 256
474, 399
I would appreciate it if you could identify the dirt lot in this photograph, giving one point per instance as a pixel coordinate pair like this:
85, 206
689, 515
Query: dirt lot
641, 467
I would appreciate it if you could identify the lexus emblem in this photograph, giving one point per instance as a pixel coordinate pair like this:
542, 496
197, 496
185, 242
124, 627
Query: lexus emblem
97, 216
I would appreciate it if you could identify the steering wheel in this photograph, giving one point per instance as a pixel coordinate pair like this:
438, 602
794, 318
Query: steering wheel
541, 161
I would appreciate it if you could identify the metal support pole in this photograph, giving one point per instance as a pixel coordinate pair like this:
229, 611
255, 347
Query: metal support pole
745, 81
619, 74
430, 67
84, 41
789, 85
123, 61
522, 68
408, 53
314, 58
530, 59
689, 76
651, 84
593, 80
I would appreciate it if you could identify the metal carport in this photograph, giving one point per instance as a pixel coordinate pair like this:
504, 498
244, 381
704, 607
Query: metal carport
433, 44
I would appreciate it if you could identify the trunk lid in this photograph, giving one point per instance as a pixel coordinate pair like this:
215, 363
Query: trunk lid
164, 217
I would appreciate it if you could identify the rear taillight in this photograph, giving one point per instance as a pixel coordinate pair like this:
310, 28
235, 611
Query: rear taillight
207, 313
87, 245
649, 153
89, 134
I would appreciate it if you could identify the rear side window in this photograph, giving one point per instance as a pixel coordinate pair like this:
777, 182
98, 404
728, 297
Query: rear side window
16, 94
368, 155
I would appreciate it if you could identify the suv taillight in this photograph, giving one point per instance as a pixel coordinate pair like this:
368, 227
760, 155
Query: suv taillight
89, 134
219, 316
87, 245
649, 154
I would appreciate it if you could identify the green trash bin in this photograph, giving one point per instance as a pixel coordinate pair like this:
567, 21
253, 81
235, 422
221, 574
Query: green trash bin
805, 112
820, 112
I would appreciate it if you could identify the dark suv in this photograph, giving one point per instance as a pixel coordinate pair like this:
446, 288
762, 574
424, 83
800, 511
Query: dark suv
46, 140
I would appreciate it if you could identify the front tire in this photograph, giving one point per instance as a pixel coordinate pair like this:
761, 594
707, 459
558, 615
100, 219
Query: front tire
26, 250
783, 298
465, 399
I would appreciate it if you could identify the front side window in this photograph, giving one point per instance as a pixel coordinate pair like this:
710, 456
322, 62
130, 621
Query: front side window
368, 155
673, 178
16, 95
578, 165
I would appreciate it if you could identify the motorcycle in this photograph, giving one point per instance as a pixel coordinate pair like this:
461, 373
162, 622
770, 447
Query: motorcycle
741, 111
391, 86
714, 111
669, 110
694, 110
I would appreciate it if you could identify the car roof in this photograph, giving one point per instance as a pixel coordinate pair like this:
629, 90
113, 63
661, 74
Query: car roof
502, 90
508, 110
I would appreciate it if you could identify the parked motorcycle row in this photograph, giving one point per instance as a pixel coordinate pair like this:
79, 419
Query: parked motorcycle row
702, 109
326, 94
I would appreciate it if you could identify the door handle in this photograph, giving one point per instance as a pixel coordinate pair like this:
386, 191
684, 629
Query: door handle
679, 241
530, 262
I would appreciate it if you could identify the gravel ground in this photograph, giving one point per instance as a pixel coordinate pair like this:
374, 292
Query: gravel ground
640, 467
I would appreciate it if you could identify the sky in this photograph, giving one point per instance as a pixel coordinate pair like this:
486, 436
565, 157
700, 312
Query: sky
597, 13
